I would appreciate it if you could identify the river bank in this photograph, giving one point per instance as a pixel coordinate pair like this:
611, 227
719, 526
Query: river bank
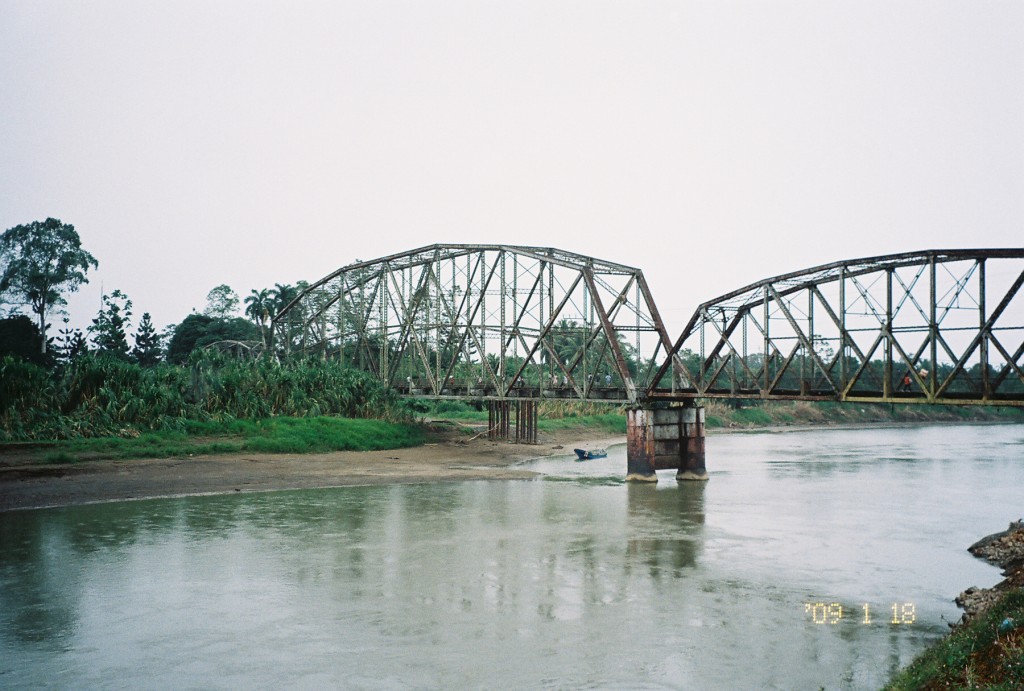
454, 451
449, 455
986, 648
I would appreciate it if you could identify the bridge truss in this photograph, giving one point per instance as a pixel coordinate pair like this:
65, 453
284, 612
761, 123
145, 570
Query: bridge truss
940, 326
485, 321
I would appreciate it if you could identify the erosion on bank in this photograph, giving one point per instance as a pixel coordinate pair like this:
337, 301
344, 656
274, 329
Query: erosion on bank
986, 649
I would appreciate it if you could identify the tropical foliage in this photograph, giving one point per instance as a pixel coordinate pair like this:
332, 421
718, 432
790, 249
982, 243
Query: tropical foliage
100, 395
109, 328
199, 330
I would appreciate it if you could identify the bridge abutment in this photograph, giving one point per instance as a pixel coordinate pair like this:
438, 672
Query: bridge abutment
665, 438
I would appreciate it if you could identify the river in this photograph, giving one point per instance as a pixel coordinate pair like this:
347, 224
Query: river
810, 559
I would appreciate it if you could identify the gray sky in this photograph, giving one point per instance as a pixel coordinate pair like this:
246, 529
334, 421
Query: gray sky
199, 142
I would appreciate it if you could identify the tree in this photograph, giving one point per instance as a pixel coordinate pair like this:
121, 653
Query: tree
198, 330
18, 337
71, 343
148, 349
258, 308
221, 302
109, 328
40, 261
281, 295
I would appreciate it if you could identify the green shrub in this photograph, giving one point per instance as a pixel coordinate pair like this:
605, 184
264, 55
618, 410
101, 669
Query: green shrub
104, 396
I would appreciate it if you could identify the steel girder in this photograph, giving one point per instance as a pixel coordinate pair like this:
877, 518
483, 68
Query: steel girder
939, 326
485, 321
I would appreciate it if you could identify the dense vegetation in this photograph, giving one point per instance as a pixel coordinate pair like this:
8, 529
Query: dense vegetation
720, 414
271, 435
987, 653
99, 395
553, 415
172, 392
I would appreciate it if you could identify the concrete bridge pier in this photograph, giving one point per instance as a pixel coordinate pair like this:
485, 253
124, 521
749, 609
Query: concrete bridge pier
663, 438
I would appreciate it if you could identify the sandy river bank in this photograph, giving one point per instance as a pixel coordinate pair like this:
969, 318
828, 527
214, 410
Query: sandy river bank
450, 457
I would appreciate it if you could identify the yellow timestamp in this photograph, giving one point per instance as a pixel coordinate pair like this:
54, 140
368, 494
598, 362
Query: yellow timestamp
832, 613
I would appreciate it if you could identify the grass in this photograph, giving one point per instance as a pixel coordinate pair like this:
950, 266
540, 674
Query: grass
752, 414
453, 410
272, 435
614, 423
984, 654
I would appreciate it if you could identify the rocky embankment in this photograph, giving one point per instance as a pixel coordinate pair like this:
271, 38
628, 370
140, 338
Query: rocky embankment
1005, 550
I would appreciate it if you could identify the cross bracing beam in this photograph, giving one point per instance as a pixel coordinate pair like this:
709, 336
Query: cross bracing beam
939, 326
485, 321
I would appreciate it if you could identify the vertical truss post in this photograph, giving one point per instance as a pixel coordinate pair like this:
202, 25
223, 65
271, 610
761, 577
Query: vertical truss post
341, 319
843, 374
986, 390
588, 318
887, 382
810, 338
542, 376
766, 387
636, 358
483, 316
504, 338
383, 358
551, 315
933, 332
437, 323
515, 305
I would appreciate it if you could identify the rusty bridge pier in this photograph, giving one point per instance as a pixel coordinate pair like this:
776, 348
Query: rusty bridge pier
663, 438
499, 421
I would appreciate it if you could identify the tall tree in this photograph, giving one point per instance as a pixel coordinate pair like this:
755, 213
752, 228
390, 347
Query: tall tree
281, 295
71, 343
41, 260
221, 302
258, 306
148, 349
109, 328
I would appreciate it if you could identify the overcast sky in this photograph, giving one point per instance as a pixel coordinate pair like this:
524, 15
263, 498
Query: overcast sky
200, 142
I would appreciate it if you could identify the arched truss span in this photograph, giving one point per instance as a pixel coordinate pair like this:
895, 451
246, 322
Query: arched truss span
486, 321
940, 326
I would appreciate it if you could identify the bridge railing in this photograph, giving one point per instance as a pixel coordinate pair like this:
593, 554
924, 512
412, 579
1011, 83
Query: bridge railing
940, 326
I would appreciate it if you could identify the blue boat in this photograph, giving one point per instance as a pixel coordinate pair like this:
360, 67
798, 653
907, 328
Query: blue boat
584, 455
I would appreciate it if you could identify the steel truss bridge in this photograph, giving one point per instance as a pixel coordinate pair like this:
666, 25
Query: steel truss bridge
505, 322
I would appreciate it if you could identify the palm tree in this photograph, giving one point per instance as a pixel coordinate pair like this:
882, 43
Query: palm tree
258, 306
280, 296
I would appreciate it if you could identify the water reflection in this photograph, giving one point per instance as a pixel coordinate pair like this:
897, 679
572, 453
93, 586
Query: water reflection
668, 526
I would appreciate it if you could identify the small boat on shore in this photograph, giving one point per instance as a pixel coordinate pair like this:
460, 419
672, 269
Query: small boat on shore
586, 455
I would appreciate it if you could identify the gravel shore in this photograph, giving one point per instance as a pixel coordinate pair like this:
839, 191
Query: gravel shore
1005, 550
